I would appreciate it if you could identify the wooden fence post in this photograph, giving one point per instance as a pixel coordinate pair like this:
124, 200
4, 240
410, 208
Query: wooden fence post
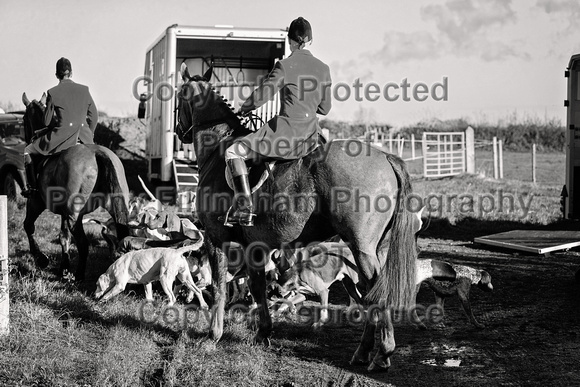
4, 290
534, 163
470, 150
495, 169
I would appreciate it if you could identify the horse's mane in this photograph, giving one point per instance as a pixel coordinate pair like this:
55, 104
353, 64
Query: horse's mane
218, 108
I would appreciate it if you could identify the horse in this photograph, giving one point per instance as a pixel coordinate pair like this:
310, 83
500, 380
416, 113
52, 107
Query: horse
71, 184
301, 202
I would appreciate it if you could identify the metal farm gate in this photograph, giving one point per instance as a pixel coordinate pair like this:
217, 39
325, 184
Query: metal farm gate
443, 154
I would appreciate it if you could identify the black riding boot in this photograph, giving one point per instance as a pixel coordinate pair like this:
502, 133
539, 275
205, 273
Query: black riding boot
29, 182
242, 207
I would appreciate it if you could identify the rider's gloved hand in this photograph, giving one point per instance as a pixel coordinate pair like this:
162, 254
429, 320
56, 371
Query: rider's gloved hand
243, 113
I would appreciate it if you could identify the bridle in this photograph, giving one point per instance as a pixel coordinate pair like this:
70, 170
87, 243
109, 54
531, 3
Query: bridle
253, 119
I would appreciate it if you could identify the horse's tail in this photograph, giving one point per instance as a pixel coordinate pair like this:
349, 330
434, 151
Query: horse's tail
395, 285
113, 183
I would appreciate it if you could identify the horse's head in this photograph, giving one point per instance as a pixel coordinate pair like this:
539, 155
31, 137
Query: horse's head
34, 115
201, 108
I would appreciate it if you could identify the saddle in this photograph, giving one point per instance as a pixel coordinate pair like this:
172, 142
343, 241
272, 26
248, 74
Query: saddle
260, 171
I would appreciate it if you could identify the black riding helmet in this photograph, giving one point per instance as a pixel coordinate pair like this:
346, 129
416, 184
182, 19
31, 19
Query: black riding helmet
300, 30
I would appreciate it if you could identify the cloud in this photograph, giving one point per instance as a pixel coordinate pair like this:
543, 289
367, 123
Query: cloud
463, 29
556, 6
569, 8
351, 70
414, 45
459, 20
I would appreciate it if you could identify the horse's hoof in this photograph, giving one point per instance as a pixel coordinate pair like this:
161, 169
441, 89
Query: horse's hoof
265, 341
359, 359
215, 335
383, 367
41, 260
421, 326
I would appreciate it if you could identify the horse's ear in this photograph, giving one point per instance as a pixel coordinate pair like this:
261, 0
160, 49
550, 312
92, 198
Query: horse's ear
184, 72
207, 74
25, 99
43, 99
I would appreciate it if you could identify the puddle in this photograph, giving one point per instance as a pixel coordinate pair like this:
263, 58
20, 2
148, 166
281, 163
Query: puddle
447, 363
452, 363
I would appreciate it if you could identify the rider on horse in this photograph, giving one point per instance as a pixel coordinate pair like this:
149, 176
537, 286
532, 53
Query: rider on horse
304, 84
71, 117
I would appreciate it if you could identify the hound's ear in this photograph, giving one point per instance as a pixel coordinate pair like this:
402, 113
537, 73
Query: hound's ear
207, 74
43, 99
25, 99
184, 72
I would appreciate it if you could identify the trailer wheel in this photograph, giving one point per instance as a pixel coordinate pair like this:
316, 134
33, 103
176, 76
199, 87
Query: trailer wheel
10, 186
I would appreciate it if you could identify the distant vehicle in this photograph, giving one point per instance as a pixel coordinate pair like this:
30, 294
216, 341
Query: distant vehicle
11, 154
240, 58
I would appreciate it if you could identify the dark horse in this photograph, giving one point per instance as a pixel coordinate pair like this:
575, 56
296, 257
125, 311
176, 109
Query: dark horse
72, 183
345, 188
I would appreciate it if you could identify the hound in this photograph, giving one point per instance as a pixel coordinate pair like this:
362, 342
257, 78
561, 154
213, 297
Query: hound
317, 267
320, 267
146, 266
465, 277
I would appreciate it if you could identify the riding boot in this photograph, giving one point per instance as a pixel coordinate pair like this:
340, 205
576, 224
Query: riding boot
29, 182
242, 207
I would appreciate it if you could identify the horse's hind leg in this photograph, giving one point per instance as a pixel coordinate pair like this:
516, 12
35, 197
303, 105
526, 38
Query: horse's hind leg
255, 264
219, 267
82, 243
382, 360
34, 208
369, 266
65, 239
362, 354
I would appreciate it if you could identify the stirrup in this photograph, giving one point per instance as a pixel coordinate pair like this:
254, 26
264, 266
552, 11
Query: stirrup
240, 218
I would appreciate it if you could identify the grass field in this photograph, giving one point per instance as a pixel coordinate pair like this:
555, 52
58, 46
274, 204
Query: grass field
61, 337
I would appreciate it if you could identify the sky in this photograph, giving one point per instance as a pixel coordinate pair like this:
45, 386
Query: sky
500, 59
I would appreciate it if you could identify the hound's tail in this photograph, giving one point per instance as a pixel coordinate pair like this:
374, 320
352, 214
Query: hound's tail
192, 247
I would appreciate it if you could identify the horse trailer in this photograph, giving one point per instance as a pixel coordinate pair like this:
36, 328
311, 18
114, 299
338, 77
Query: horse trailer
240, 57
571, 191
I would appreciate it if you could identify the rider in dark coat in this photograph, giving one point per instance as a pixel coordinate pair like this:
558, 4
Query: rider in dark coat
71, 117
304, 84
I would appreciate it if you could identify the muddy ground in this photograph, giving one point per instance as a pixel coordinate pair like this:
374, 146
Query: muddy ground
531, 338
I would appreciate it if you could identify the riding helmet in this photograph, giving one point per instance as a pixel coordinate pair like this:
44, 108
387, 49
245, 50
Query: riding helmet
300, 30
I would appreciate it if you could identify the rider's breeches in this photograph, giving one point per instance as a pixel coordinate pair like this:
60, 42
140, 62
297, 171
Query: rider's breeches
239, 150
29, 150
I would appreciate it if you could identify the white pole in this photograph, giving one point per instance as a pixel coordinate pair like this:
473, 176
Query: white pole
424, 145
495, 169
534, 163
401, 146
500, 157
470, 150
412, 146
4, 293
